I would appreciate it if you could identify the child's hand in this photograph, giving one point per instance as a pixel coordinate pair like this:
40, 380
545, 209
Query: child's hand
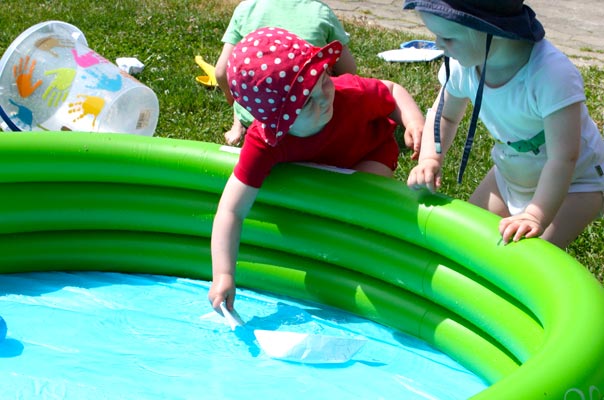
519, 226
426, 174
222, 290
413, 139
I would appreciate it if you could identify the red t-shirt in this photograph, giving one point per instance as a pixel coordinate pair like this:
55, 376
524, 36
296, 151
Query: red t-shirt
360, 130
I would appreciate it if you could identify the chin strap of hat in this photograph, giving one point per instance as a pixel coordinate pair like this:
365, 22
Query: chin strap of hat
475, 112
439, 109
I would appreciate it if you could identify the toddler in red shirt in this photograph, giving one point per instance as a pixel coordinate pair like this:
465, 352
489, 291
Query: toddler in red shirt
302, 115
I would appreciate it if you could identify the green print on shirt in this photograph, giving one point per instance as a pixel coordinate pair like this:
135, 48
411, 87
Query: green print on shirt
532, 144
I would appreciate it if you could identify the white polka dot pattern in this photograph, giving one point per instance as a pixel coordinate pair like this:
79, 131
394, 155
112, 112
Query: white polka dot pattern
271, 72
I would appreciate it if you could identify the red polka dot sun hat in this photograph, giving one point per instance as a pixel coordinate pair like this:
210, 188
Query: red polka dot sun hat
272, 71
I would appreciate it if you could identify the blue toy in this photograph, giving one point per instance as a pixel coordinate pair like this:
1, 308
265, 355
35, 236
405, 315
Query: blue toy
419, 44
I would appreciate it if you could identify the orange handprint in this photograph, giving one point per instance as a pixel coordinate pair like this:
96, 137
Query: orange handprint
91, 105
24, 77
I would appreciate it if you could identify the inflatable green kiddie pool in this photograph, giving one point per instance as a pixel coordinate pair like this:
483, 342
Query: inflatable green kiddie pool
525, 317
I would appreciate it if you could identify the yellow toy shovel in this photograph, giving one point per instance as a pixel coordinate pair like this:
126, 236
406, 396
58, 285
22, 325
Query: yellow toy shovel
210, 79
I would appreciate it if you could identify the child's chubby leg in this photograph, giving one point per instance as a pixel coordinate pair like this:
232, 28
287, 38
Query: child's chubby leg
487, 196
235, 134
374, 167
577, 211
382, 160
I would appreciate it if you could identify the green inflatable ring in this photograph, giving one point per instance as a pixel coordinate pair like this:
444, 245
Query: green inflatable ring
525, 317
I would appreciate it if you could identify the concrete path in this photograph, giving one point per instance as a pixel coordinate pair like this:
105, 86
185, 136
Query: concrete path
575, 27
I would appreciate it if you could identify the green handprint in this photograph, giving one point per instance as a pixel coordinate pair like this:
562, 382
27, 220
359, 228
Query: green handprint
58, 89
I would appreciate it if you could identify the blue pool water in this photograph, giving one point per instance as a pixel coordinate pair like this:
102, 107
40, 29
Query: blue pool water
93, 335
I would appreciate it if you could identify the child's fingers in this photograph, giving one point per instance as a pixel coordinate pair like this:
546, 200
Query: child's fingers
413, 139
515, 228
423, 178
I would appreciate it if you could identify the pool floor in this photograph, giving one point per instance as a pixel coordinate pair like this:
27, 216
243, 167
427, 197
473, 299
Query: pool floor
99, 335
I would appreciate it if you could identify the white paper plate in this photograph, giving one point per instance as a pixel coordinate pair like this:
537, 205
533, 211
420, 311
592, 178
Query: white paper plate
410, 54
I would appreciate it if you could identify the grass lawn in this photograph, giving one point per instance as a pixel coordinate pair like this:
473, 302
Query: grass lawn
166, 35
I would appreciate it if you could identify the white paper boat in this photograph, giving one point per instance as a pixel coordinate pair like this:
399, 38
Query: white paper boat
307, 348
232, 317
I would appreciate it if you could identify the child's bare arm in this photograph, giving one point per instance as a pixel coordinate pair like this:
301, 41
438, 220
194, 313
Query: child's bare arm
235, 203
563, 140
346, 64
407, 113
427, 173
220, 71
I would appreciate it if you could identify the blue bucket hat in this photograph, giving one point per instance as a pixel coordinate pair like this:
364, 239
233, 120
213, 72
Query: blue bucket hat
510, 19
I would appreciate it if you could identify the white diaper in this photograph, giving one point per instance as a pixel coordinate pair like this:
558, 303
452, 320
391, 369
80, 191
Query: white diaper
517, 200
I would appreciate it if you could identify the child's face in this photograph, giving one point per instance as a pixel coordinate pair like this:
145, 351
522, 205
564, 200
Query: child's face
317, 110
457, 41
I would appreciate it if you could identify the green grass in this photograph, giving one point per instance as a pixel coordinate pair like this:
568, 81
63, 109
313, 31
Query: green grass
166, 35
